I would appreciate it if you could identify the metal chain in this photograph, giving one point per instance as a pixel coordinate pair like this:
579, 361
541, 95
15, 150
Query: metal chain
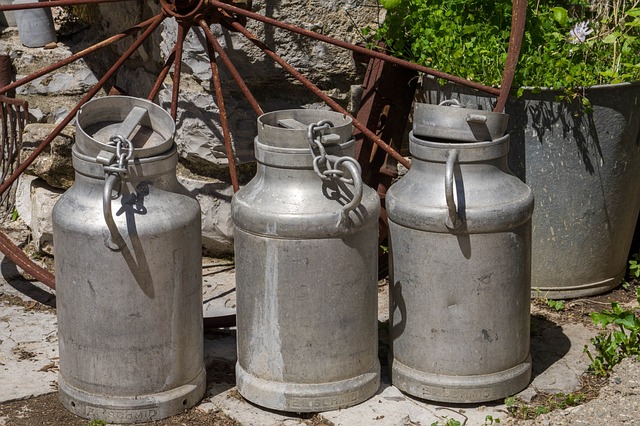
122, 157
330, 163
331, 167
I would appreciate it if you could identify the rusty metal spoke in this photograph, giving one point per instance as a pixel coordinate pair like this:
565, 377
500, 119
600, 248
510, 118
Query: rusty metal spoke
18, 257
355, 48
315, 90
518, 20
231, 68
163, 74
76, 56
223, 117
53, 3
177, 68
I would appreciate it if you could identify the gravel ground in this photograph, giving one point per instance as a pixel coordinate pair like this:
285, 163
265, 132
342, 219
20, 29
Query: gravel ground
617, 404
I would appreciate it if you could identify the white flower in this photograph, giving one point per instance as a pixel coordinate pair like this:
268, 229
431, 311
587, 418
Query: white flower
580, 32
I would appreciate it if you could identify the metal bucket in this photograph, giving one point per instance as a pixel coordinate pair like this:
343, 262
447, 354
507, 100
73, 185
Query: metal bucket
128, 270
460, 242
582, 169
8, 17
35, 26
306, 268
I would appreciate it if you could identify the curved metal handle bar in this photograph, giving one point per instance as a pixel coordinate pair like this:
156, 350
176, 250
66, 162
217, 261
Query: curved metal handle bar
452, 158
451, 103
113, 241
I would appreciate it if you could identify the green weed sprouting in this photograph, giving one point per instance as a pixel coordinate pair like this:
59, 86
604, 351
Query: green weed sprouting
614, 346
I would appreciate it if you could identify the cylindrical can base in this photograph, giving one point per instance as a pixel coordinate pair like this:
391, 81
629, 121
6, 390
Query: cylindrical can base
132, 409
305, 397
461, 389
577, 291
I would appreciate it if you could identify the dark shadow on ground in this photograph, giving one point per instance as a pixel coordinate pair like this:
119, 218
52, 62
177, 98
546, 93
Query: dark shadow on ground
549, 344
15, 279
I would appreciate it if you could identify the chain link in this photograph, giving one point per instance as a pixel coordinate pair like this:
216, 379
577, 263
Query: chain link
331, 167
122, 144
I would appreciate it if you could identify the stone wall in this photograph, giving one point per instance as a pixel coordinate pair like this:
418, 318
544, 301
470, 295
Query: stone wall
203, 167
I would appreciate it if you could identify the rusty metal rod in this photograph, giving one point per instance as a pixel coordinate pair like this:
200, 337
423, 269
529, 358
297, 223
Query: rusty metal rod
175, 93
53, 3
314, 89
76, 56
156, 22
231, 68
18, 257
355, 48
163, 74
223, 117
518, 20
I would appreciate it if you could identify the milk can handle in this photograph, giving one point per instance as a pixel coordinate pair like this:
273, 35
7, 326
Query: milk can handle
113, 240
452, 157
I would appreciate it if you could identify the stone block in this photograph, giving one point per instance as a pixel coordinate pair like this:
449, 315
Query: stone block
34, 202
215, 203
54, 164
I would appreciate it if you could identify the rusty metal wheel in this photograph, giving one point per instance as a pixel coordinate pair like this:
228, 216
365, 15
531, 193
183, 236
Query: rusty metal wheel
232, 14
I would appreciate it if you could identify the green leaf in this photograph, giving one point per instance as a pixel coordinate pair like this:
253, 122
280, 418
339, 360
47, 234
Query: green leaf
602, 318
633, 12
561, 15
390, 4
611, 38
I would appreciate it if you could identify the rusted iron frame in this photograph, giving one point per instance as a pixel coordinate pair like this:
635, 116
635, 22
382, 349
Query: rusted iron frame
316, 91
76, 56
53, 3
224, 123
163, 74
518, 20
12, 133
9, 249
18, 257
355, 48
183, 30
231, 68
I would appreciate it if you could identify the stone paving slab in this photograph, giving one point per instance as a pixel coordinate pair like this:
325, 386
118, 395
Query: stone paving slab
29, 359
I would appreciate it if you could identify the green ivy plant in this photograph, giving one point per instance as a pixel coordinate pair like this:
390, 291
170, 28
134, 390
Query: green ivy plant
567, 44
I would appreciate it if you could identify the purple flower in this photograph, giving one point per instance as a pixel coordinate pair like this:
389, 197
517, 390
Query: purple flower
580, 32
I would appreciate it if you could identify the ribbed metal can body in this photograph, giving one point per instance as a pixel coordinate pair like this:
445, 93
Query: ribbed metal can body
129, 293
306, 275
460, 241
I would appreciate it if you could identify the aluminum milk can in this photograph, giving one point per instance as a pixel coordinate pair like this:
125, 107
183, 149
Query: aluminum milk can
460, 241
35, 26
127, 247
306, 268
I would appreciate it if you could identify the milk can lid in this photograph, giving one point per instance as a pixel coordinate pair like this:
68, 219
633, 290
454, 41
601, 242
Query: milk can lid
453, 122
146, 125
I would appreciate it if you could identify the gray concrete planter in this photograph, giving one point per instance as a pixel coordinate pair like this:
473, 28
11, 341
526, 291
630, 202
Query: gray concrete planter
584, 170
